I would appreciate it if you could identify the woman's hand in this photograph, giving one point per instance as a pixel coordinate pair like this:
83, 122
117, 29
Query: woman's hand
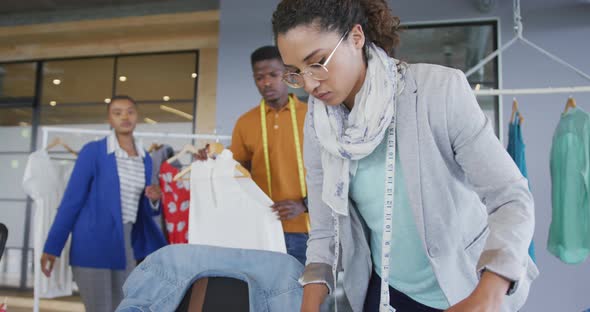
47, 262
487, 296
153, 192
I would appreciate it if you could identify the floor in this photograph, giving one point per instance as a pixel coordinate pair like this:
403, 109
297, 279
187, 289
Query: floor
23, 302
18, 301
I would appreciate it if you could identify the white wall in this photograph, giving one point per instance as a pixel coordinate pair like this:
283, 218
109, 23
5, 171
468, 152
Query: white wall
562, 27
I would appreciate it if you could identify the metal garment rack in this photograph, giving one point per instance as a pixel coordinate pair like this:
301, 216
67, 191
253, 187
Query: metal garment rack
47, 130
217, 138
518, 28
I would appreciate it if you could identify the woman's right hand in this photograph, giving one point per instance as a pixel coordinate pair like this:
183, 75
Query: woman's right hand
313, 297
47, 262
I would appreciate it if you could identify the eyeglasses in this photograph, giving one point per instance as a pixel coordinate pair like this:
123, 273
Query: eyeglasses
316, 71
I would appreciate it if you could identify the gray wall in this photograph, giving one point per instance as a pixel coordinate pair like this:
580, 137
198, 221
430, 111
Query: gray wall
562, 27
243, 27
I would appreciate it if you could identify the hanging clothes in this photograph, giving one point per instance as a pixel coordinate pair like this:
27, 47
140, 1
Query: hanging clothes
516, 149
175, 204
569, 234
231, 212
45, 181
160, 156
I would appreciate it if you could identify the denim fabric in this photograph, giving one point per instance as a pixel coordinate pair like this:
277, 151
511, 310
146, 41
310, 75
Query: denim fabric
297, 245
160, 282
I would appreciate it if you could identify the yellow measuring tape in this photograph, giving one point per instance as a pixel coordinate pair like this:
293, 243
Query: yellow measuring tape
297, 146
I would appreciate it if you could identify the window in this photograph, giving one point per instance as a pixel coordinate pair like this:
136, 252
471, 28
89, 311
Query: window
75, 93
17, 83
460, 46
164, 86
17, 96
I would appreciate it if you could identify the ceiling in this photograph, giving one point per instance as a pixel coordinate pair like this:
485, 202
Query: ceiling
108, 36
28, 6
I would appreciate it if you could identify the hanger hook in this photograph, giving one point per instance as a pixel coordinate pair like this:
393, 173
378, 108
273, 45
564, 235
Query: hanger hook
216, 135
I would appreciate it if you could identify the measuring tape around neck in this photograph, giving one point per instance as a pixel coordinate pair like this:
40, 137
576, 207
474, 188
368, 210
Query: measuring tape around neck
389, 197
388, 218
297, 146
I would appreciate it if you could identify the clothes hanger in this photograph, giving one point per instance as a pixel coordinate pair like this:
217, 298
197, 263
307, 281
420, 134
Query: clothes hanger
515, 111
571, 103
186, 149
214, 150
217, 148
59, 142
154, 147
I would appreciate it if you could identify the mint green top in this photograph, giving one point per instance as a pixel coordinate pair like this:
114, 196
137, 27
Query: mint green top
569, 234
410, 270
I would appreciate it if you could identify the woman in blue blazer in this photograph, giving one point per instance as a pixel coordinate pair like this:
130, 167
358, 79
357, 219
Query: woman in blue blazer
107, 207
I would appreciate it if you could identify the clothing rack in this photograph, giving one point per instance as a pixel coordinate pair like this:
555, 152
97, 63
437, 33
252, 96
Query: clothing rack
518, 28
532, 91
216, 137
78, 131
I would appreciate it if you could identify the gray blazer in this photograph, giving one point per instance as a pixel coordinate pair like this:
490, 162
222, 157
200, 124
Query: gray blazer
472, 206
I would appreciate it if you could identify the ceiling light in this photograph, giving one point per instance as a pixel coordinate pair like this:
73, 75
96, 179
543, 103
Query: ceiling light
176, 112
150, 121
194, 75
52, 103
56, 82
166, 98
123, 78
107, 100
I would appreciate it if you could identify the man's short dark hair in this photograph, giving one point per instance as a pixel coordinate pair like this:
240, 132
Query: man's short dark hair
265, 53
121, 97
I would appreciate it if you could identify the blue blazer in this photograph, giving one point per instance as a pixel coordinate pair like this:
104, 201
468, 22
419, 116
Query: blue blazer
91, 211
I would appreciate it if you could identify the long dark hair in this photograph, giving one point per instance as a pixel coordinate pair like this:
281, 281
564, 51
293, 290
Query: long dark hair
378, 22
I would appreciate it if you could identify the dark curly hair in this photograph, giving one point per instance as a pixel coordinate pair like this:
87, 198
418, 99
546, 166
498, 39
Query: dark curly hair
378, 22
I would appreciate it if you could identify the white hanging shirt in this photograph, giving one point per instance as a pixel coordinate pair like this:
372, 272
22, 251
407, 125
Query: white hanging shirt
231, 212
45, 181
